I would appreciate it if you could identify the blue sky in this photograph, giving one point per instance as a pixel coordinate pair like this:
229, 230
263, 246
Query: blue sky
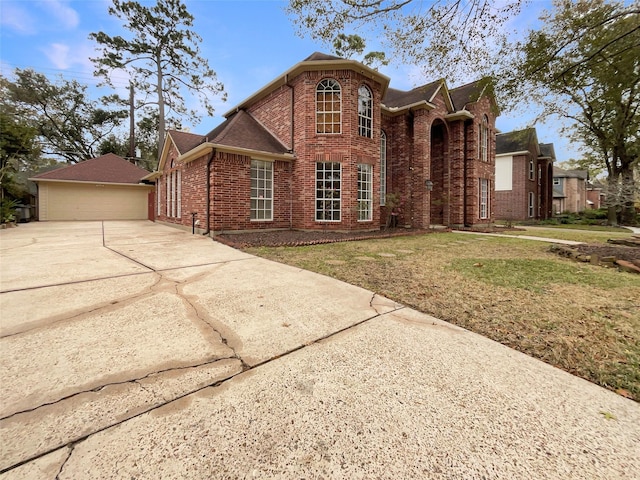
248, 43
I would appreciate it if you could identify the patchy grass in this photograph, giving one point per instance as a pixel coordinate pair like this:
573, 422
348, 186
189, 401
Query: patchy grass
589, 235
579, 317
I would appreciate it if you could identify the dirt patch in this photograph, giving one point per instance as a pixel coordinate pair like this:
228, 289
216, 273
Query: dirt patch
619, 252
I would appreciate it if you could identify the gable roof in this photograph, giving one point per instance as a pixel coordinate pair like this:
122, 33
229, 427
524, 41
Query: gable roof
185, 141
466, 94
109, 168
547, 150
398, 98
516, 141
562, 173
315, 62
243, 131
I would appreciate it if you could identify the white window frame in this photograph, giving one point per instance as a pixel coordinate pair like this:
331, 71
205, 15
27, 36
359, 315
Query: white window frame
159, 197
556, 181
383, 168
532, 206
179, 193
365, 112
328, 87
365, 192
174, 194
168, 194
484, 139
532, 171
328, 192
261, 196
484, 198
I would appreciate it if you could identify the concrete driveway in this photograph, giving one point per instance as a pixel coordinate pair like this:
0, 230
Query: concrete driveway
134, 350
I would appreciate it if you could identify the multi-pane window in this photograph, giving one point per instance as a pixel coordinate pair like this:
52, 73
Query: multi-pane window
365, 112
483, 138
174, 194
531, 203
261, 190
484, 198
159, 198
383, 168
328, 106
365, 191
328, 191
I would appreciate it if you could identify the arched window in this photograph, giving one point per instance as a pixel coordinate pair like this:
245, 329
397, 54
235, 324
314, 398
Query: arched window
383, 167
328, 106
365, 112
484, 139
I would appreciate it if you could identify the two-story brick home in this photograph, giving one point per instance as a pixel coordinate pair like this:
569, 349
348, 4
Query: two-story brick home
524, 171
322, 146
570, 190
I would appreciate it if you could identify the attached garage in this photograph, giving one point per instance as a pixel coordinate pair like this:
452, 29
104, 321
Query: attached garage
103, 188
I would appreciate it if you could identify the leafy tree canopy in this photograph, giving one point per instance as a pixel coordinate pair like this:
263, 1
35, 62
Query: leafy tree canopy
446, 36
347, 46
583, 66
68, 124
162, 57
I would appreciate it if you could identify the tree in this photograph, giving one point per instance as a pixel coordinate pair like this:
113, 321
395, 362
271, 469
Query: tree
347, 46
162, 57
449, 36
583, 65
68, 123
18, 146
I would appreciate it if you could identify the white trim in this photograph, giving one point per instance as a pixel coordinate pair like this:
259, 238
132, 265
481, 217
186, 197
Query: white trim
144, 185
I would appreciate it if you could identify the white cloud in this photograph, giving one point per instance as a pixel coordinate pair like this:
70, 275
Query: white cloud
17, 19
66, 16
58, 54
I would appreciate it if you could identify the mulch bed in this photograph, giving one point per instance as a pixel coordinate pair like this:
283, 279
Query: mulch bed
298, 238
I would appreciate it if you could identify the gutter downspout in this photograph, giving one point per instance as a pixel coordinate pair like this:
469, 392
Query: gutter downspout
209, 201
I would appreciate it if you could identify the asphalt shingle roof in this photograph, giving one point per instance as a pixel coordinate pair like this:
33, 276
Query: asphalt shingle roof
243, 131
465, 94
516, 141
185, 141
562, 173
398, 98
109, 168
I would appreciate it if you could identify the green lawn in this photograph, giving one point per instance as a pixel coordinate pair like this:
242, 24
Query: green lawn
579, 317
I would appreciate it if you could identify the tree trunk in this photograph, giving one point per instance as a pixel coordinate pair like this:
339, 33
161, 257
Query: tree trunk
612, 217
161, 120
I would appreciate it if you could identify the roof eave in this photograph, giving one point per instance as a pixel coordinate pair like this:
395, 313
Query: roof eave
513, 154
306, 66
92, 182
459, 115
208, 147
411, 106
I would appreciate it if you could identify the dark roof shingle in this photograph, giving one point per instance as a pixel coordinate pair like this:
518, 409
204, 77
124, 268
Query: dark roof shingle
185, 141
516, 141
109, 168
243, 131
399, 98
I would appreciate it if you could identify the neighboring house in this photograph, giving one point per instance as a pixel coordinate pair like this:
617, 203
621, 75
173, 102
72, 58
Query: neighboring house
103, 188
569, 190
595, 195
322, 145
524, 171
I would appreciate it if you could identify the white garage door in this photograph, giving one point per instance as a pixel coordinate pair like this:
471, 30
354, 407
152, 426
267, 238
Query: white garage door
69, 201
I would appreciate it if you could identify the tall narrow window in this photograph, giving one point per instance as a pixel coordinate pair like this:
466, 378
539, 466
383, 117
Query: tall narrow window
383, 168
168, 193
261, 190
328, 191
328, 106
532, 170
179, 193
531, 204
484, 198
365, 191
365, 112
159, 198
484, 139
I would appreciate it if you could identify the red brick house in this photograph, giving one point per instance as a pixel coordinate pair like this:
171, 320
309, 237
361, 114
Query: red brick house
524, 173
322, 146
